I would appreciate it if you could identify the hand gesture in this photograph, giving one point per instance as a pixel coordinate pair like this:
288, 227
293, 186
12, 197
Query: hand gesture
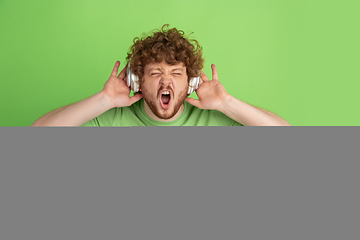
117, 90
212, 94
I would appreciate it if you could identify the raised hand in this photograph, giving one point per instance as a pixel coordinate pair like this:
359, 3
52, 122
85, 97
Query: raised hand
211, 94
117, 90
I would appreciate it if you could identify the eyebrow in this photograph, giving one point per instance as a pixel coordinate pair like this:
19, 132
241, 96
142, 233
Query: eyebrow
180, 68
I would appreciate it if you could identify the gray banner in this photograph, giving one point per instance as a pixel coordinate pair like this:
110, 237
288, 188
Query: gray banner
179, 183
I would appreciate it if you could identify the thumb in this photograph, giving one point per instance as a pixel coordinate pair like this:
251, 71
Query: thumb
135, 98
194, 102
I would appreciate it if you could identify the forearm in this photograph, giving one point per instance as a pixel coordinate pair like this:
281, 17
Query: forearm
76, 114
249, 115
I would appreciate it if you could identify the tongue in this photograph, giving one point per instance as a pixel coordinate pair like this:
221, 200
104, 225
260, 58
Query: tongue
165, 99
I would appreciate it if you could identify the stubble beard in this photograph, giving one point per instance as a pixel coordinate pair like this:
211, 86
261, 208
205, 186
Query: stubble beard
156, 108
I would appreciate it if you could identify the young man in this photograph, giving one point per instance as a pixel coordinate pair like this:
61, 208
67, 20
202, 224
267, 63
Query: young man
164, 63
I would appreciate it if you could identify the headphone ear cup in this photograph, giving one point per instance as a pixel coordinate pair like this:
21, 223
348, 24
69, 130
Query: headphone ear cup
193, 84
132, 80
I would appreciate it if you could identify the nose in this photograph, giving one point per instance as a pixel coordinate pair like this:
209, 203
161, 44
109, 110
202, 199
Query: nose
166, 79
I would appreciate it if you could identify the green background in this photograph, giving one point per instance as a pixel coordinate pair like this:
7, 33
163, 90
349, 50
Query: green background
298, 59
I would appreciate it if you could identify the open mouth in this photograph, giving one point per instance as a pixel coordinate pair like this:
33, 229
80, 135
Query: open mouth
165, 99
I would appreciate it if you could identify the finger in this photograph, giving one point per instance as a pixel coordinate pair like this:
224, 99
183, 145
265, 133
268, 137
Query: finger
115, 69
194, 102
203, 76
214, 72
135, 98
122, 74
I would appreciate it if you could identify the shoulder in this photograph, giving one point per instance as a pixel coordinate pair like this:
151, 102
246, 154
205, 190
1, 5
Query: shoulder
208, 117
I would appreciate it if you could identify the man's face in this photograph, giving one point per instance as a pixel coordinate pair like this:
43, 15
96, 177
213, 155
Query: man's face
159, 77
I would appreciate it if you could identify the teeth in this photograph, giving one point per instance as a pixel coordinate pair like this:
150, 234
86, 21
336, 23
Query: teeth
165, 92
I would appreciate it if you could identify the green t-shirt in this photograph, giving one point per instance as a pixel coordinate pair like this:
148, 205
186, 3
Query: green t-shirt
135, 115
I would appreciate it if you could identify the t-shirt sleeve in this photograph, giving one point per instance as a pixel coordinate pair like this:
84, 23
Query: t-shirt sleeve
92, 123
224, 120
103, 120
237, 124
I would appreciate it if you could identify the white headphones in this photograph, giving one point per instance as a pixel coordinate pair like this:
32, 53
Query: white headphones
134, 83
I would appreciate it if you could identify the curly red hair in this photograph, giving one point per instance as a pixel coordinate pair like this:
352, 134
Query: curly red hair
166, 44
